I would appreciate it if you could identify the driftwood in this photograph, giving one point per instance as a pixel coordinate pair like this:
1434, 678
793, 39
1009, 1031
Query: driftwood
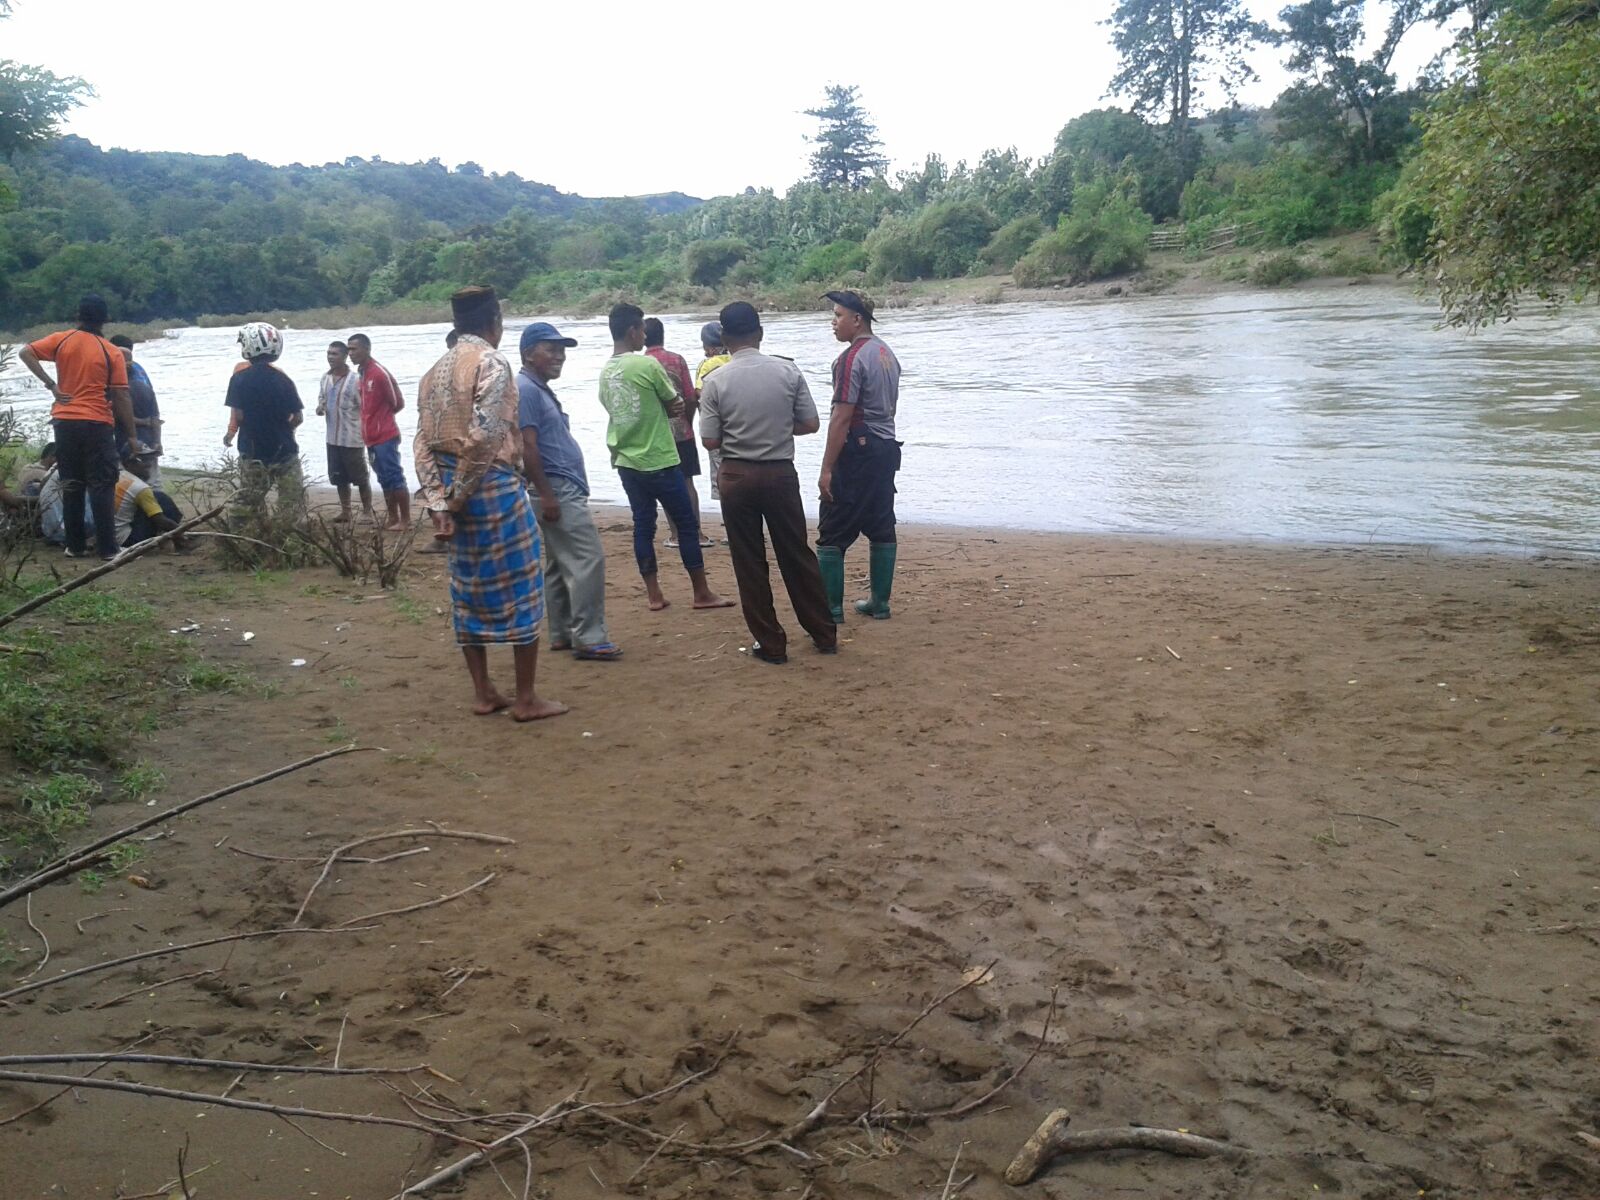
282, 1110
208, 1064
121, 560
1052, 1140
78, 860
163, 952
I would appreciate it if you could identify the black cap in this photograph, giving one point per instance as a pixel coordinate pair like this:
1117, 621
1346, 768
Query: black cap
856, 302
740, 319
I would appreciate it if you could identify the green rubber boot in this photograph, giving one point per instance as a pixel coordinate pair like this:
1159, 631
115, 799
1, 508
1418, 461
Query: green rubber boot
831, 560
881, 567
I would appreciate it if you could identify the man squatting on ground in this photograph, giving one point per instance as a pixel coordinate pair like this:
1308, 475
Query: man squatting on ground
380, 400
469, 461
91, 401
339, 400
552, 462
860, 458
751, 410
655, 345
639, 398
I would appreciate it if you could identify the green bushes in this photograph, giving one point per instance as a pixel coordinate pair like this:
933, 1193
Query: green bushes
708, 261
832, 261
942, 241
1105, 234
1010, 242
1276, 270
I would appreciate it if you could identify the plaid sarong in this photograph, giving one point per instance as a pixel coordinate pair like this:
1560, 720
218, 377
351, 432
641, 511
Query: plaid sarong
496, 582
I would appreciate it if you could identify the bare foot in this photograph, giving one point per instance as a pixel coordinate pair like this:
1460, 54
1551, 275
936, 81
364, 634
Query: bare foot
712, 600
538, 710
493, 703
659, 602
392, 527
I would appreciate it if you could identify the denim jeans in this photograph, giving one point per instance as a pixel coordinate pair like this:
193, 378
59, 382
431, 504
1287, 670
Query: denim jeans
666, 486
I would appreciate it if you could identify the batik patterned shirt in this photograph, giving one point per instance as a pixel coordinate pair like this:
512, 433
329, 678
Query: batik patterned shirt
466, 407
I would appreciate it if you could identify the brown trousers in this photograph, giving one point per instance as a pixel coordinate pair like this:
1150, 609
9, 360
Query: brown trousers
757, 492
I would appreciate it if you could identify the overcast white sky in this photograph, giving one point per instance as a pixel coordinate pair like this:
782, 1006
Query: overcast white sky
598, 99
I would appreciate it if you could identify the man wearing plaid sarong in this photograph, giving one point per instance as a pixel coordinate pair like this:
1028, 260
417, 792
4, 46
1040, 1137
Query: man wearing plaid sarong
469, 463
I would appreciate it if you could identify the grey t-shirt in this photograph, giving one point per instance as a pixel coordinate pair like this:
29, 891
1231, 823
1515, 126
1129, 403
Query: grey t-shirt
752, 404
867, 376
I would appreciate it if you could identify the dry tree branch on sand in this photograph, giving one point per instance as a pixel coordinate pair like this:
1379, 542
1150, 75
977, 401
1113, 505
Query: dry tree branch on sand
433, 830
77, 860
360, 549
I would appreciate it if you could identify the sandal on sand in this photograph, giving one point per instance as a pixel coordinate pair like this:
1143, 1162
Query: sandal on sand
599, 652
671, 543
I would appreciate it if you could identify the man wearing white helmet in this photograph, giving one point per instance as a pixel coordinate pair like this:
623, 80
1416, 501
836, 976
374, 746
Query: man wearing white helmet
264, 408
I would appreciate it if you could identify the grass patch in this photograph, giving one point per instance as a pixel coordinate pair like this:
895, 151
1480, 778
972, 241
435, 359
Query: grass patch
410, 609
212, 677
140, 780
56, 806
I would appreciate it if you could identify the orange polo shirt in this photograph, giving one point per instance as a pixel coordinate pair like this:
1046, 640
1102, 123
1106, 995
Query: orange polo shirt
86, 367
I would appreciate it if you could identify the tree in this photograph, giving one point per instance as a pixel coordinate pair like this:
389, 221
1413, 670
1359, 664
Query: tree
33, 101
848, 152
1505, 180
1327, 36
1169, 49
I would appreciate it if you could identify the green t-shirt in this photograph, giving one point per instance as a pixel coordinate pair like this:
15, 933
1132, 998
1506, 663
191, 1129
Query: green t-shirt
634, 389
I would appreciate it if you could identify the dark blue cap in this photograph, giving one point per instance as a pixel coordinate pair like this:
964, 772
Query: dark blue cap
543, 331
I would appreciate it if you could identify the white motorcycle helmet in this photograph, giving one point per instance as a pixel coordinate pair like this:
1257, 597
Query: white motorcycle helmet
260, 340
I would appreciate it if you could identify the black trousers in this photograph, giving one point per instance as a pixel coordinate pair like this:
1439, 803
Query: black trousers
863, 493
144, 528
754, 494
86, 454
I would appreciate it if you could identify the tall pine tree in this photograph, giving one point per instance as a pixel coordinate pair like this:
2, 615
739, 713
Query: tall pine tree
848, 153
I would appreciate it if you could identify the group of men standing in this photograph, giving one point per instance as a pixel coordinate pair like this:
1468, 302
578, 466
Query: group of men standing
485, 436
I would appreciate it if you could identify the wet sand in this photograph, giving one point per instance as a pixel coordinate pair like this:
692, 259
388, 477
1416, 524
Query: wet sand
1303, 838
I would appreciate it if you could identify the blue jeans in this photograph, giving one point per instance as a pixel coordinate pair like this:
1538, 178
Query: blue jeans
644, 489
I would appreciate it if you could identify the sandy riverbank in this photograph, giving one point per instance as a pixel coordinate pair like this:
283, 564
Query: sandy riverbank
1306, 839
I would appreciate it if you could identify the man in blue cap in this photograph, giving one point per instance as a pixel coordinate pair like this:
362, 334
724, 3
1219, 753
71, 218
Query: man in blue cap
575, 571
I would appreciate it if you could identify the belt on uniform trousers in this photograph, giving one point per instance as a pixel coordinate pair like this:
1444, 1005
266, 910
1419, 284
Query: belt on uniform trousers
757, 462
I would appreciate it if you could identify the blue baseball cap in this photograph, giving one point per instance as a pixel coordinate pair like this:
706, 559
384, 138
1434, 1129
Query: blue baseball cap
543, 331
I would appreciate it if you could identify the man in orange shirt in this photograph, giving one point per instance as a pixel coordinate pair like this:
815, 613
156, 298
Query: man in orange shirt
91, 400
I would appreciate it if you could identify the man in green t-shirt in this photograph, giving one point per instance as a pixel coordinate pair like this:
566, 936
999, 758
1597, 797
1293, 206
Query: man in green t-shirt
640, 398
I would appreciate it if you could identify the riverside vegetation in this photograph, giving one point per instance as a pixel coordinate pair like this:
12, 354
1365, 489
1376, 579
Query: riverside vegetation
171, 237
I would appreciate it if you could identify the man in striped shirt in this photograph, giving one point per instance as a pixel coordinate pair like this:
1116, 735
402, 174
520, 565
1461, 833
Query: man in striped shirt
339, 400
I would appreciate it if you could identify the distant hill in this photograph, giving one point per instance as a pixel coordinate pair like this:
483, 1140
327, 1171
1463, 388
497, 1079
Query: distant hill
175, 235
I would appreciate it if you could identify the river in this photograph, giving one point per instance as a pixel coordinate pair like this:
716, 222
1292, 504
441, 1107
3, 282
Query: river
1325, 415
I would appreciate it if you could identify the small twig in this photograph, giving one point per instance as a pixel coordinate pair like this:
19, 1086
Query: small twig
411, 908
1173, 652
950, 1179
305, 1133
1368, 817
466, 974
339, 1045
433, 831
54, 1096
22, 650
1588, 1139
29, 913
161, 953
183, 1178
280, 1110
150, 987
309, 858
1052, 1139
82, 921
659, 1148
1561, 928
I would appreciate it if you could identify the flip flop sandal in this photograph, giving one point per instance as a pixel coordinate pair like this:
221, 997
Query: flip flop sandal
601, 652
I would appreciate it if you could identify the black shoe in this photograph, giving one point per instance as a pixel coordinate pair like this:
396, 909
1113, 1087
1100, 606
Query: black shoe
831, 649
767, 656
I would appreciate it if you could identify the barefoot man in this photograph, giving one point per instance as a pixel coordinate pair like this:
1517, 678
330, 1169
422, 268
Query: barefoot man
636, 392
469, 460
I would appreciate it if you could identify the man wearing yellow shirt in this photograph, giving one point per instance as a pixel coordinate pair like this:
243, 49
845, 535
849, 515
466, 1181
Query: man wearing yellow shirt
716, 354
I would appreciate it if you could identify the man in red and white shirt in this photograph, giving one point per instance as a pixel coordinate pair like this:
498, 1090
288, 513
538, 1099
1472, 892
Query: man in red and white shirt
380, 400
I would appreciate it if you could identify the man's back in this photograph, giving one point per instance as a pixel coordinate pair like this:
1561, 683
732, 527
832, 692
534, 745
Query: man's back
266, 400
752, 405
86, 367
635, 391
